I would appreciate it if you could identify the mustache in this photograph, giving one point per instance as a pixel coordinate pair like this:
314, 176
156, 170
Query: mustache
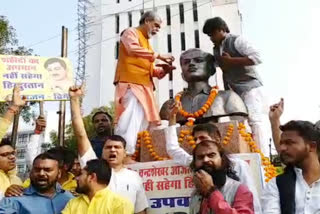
206, 168
219, 176
283, 156
41, 179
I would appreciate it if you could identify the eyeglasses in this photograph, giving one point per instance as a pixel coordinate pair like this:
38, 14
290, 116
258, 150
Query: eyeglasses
7, 154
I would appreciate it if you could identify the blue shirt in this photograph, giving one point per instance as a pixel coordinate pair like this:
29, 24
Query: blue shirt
33, 202
97, 145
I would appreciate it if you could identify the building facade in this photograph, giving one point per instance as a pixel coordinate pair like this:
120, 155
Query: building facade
25, 132
181, 29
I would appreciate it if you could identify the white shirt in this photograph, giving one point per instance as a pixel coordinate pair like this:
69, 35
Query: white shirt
125, 182
180, 156
245, 49
33, 148
307, 198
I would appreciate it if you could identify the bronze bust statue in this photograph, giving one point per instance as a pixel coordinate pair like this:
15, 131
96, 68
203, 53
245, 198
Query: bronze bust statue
197, 67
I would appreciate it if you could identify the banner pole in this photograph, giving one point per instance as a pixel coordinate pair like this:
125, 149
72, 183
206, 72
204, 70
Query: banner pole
170, 84
41, 108
62, 105
14, 134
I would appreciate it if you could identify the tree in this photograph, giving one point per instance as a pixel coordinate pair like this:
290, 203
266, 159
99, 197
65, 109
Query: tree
70, 139
7, 36
8, 40
9, 46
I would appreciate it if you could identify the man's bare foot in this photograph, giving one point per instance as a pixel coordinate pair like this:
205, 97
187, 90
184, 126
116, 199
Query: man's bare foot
128, 160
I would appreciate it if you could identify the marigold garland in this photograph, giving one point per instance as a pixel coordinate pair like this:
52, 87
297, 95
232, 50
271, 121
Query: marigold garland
138, 145
144, 137
227, 138
186, 134
269, 168
192, 116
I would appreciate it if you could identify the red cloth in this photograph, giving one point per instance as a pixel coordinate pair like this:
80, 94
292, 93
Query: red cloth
242, 204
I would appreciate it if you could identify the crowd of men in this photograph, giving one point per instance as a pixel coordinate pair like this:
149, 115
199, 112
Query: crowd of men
96, 180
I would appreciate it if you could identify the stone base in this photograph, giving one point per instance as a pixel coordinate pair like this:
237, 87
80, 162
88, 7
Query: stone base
236, 144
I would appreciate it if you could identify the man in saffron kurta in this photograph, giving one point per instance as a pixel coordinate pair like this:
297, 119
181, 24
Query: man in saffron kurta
134, 100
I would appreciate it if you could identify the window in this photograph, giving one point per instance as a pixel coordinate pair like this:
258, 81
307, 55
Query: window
117, 23
117, 49
183, 41
169, 44
23, 139
21, 168
181, 11
195, 11
168, 12
196, 38
45, 147
21, 153
130, 19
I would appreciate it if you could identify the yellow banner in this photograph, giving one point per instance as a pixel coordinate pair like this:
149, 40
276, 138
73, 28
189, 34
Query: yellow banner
40, 78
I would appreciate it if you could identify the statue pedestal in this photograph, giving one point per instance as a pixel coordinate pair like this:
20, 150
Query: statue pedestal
236, 144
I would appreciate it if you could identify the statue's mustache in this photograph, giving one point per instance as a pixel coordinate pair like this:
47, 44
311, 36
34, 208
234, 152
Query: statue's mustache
192, 69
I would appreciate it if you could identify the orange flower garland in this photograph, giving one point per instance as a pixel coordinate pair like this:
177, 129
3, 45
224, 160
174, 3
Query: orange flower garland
192, 116
186, 134
144, 137
227, 138
138, 145
270, 170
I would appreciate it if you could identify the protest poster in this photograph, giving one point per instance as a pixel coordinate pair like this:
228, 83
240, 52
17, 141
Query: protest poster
40, 78
169, 186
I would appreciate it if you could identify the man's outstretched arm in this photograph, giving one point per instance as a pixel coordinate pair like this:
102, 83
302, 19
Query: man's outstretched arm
275, 113
14, 108
84, 144
178, 154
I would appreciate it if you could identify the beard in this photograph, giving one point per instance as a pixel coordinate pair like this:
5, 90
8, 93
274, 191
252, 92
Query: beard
82, 189
43, 187
294, 160
103, 130
219, 176
149, 35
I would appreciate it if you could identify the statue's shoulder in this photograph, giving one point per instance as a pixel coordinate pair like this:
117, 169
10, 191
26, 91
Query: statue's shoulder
164, 110
228, 94
228, 103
